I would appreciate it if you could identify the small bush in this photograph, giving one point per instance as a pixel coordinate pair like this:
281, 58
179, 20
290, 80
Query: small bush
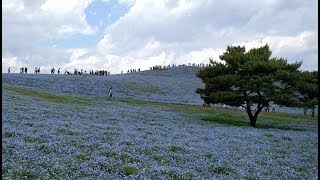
9, 134
175, 148
128, 170
222, 170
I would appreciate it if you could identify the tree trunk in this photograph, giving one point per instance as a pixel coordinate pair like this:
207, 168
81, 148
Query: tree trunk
253, 120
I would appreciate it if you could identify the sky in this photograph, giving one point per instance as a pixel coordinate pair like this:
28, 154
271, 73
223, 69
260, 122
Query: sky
117, 35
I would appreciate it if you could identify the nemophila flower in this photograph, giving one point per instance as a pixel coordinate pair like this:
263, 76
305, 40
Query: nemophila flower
121, 139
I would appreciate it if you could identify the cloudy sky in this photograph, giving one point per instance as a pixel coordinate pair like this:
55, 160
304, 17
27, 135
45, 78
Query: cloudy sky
118, 35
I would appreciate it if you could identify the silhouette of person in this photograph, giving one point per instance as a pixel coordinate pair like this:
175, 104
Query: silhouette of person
110, 92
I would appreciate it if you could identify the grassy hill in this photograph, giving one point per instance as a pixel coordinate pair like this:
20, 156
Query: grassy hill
174, 85
65, 126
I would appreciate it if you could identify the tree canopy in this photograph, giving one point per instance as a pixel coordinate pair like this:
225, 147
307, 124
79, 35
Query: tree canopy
243, 78
307, 87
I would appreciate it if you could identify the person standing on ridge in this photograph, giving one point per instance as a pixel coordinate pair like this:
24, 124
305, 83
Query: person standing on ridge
110, 92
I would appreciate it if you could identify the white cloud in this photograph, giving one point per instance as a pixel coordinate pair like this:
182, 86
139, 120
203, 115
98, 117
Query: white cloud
29, 25
15, 5
12, 62
302, 47
160, 32
192, 30
202, 56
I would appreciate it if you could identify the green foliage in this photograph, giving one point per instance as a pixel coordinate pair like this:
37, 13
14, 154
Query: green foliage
9, 134
307, 87
224, 121
175, 148
222, 170
128, 170
244, 78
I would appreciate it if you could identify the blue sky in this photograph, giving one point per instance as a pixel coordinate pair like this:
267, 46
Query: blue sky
121, 34
99, 15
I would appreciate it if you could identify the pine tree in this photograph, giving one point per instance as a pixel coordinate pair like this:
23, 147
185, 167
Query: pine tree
246, 78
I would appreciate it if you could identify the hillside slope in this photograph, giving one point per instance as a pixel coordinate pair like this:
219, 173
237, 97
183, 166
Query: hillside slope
173, 85
64, 127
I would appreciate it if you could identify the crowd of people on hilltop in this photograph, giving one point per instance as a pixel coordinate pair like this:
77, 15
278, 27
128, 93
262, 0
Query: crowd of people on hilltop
100, 72
105, 72
37, 70
23, 70
160, 67
132, 70
53, 71
76, 71
91, 72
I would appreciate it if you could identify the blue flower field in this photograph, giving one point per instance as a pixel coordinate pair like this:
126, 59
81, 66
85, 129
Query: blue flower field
154, 127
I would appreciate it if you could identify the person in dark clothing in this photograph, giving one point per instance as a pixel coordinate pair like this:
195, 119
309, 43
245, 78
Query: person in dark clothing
110, 92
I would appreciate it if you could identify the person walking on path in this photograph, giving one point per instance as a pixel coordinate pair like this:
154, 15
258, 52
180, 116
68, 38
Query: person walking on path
110, 92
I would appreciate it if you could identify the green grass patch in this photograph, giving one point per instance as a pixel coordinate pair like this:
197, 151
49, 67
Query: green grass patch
222, 120
133, 102
43, 148
109, 154
84, 155
286, 117
286, 138
149, 151
161, 159
129, 170
67, 132
234, 121
175, 148
9, 134
209, 155
32, 140
46, 95
126, 158
251, 177
221, 170
269, 135
304, 169
284, 121
27, 175
172, 175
